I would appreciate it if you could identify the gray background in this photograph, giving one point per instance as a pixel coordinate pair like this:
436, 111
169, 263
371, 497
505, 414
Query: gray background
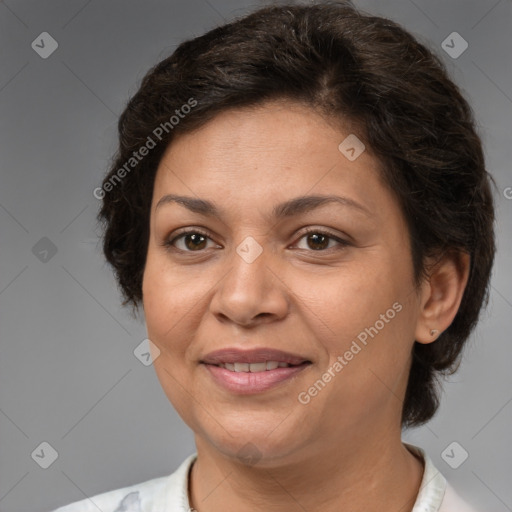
68, 375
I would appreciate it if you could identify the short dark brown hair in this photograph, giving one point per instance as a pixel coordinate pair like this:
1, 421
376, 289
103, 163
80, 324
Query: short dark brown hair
344, 64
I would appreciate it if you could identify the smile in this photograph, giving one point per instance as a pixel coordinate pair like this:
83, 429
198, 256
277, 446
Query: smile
254, 367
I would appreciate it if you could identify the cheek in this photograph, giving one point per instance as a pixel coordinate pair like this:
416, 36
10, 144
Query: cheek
169, 302
170, 298
345, 302
363, 315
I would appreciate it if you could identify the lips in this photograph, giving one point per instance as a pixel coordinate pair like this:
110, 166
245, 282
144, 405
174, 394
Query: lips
253, 371
243, 360
254, 367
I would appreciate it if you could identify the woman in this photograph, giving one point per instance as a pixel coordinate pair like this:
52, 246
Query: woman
300, 205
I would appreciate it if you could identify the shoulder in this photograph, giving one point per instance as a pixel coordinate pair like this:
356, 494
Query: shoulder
141, 497
452, 502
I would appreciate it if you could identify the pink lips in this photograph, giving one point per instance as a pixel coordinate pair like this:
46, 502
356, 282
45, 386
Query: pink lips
258, 355
242, 382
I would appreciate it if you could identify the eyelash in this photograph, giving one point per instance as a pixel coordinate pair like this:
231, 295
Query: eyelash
169, 244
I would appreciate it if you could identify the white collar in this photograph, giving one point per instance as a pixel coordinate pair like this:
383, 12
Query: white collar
433, 484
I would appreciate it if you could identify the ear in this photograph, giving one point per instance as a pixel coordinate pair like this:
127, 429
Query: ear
441, 294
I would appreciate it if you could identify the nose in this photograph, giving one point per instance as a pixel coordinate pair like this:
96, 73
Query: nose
251, 292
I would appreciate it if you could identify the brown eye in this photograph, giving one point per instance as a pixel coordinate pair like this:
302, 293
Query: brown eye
194, 241
318, 240
191, 241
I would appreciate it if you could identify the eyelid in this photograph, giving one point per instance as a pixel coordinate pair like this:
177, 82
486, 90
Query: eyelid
180, 233
326, 232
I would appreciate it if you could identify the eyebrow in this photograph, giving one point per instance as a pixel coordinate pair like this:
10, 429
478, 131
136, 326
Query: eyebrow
295, 206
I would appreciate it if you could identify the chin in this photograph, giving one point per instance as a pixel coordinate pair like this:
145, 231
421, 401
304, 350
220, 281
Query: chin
256, 445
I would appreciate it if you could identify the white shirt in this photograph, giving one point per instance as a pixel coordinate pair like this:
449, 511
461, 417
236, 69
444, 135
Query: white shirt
170, 493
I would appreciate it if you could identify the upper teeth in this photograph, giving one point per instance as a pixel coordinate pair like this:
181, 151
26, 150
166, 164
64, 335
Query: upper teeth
253, 367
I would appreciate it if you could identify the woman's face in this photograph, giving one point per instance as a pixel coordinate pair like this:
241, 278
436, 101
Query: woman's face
248, 276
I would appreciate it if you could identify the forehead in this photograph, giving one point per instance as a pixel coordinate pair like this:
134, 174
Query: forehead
257, 155
283, 128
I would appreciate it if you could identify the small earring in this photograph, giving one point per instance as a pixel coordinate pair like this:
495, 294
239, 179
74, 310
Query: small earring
433, 332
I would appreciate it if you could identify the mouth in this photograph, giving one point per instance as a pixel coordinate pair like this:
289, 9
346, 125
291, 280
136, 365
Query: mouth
256, 356
252, 371
257, 367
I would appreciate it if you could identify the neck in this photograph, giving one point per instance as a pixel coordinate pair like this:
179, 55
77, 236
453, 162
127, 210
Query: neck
366, 474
